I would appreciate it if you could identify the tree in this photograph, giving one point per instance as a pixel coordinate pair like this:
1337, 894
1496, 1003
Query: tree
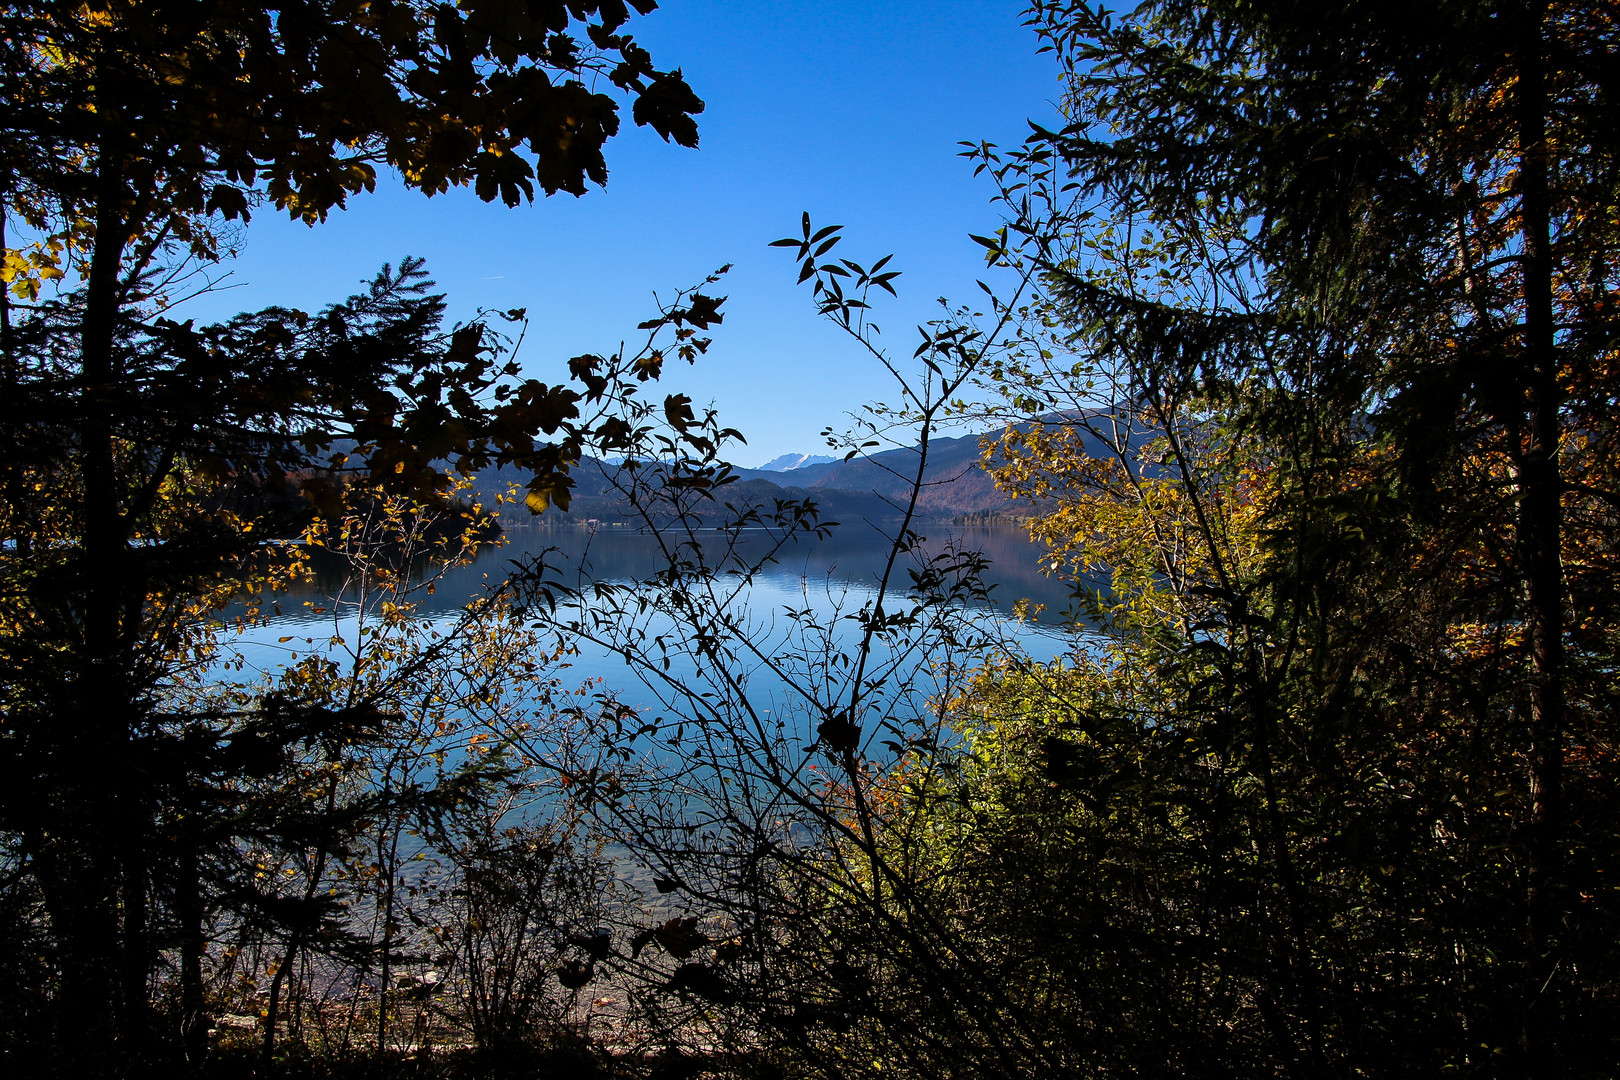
770, 790
147, 462
1369, 253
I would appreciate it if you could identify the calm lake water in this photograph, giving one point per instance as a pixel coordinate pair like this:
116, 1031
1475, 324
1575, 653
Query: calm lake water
828, 579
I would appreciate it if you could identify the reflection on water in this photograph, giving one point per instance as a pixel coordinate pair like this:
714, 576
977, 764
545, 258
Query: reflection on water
828, 578
852, 556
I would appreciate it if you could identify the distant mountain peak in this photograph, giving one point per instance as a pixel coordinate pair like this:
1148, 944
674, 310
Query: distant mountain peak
789, 462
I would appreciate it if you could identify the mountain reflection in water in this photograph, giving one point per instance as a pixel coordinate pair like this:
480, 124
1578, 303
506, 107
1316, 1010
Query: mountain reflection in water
832, 577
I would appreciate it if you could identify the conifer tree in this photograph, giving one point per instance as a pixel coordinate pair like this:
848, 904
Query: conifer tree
147, 462
1373, 246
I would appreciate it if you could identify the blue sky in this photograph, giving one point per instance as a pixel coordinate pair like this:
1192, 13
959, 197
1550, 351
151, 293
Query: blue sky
850, 110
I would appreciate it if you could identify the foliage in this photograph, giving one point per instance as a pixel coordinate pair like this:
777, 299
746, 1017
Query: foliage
1310, 387
149, 116
152, 468
1323, 437
1307, 382
451, 876
785, 926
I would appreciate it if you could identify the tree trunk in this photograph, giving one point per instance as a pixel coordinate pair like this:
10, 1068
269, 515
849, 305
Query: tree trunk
84, 921
1540, 530
189, 914
98, 775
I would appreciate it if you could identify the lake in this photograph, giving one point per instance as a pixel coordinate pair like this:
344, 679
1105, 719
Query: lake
814, 583
715, 748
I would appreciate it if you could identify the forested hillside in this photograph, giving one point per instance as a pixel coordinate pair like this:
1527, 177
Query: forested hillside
1297, 354
874, 488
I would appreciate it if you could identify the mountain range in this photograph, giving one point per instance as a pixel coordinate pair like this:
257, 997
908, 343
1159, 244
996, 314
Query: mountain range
790, 462
874, 487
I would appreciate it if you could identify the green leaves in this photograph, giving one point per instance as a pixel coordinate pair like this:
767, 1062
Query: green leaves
995, 247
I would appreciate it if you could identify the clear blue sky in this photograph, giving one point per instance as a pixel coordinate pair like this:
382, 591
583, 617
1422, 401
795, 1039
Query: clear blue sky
850, 109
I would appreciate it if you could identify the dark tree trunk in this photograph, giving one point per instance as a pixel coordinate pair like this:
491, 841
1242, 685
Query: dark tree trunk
1540, 523
189, 914
1540, 529
104, 837
84, 920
